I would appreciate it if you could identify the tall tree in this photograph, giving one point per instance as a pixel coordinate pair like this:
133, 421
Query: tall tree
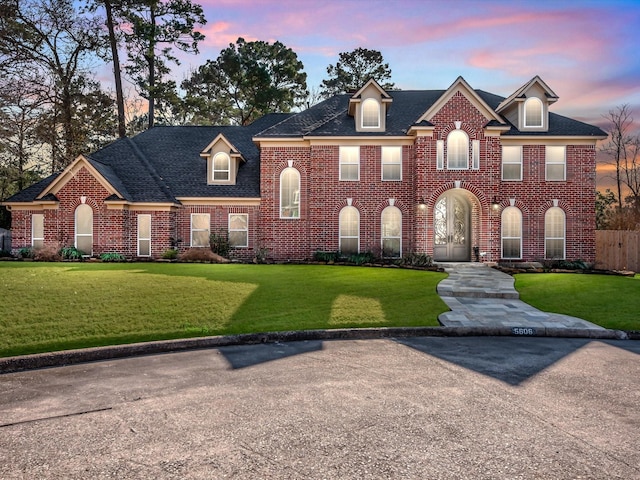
246, 81
47, 43
156, 27
619, 144
353, 69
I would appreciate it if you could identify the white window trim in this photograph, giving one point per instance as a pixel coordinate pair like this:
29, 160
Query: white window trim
144, 238
208, 229
564, 238
466, 151
296, 195
340, 236
369, 101
503, 163
245, 230
33, 232
398, 237
563, 163
214, 171
341, 163
533, 100
382, 164
502, 237
75, 228
439, 154
475, 154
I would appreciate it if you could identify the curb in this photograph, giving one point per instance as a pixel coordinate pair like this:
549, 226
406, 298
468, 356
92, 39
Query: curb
73, 357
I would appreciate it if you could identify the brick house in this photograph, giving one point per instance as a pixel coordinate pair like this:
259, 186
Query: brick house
459, 174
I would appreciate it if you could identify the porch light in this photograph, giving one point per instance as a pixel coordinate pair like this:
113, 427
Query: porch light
495, 204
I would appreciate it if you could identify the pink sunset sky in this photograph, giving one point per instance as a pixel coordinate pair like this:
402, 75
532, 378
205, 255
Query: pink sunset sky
588, 52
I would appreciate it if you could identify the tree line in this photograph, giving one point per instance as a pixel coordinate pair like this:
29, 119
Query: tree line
53, 108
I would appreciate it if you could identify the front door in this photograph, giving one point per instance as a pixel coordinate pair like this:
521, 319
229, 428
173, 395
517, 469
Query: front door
451, 232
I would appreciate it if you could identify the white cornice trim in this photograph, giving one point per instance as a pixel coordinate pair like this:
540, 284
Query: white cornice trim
214, 201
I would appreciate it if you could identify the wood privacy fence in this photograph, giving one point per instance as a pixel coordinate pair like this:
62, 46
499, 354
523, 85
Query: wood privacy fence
618, 250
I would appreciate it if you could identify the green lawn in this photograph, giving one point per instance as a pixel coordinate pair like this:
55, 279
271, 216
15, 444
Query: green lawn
55, 306
610, 301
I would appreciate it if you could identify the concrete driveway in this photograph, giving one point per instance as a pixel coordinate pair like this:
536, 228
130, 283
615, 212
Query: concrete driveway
420, 408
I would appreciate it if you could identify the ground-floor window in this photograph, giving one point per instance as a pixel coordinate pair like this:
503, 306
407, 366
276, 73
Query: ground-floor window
37, 230
144, 235
200, 229
512, 233
391, 232
349, 230
238, 230
84, 228
554, 234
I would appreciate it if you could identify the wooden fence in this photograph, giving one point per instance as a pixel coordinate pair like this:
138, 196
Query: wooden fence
618, 250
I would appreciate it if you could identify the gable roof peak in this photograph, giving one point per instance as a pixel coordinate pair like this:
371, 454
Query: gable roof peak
520, 93
371, 81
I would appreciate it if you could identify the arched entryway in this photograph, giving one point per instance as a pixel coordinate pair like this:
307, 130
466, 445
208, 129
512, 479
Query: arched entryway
452, 227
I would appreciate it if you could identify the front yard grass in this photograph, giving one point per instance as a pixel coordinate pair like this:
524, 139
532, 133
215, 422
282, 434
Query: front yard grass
57, 306
606, 300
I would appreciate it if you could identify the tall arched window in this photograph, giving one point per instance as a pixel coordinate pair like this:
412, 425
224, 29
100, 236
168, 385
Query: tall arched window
349, 230
84, 228
391, 232
370, 113
554, 234
457, 150
533, 112
290, 193
221, 167
512, 233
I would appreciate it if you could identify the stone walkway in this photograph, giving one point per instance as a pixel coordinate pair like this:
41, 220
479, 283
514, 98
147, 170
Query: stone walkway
481, 296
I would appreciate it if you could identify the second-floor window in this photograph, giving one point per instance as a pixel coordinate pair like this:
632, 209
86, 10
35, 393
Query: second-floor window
391, 163
221, 167
349, 163
370, 113
511, 163
555, 163
533, 112
457, 150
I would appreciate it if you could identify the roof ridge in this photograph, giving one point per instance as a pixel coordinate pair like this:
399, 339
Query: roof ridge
154, 173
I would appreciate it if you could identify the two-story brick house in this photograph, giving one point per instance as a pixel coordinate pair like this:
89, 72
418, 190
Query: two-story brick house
456, 173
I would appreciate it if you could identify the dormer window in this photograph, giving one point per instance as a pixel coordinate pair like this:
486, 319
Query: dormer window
221, 167
370, 113
533, 112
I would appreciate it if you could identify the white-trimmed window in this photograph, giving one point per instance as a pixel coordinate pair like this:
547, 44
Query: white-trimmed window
391, 163
84, 228
554, 234
37, 230
457, 150
370, 113
238, 229
511, 233
391, 223
221, 171
440, 154
512, 162
533, 112
144, 235
290, 193
200, 229
475, 154
350, 163
555, 163
349, 230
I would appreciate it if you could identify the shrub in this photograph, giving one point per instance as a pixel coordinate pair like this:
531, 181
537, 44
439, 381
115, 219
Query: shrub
361, 258
566, 265
319, 256
5, 253
170, 254
219, 243
47, 253
112, 257
25, 252
70, 253
197, 255
417, 260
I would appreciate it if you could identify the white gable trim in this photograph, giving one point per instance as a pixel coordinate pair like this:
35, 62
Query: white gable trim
233, 151
70, 171
461, 85
517, 95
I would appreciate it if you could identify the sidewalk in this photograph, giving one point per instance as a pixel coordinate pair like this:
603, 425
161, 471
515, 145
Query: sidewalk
481, 296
